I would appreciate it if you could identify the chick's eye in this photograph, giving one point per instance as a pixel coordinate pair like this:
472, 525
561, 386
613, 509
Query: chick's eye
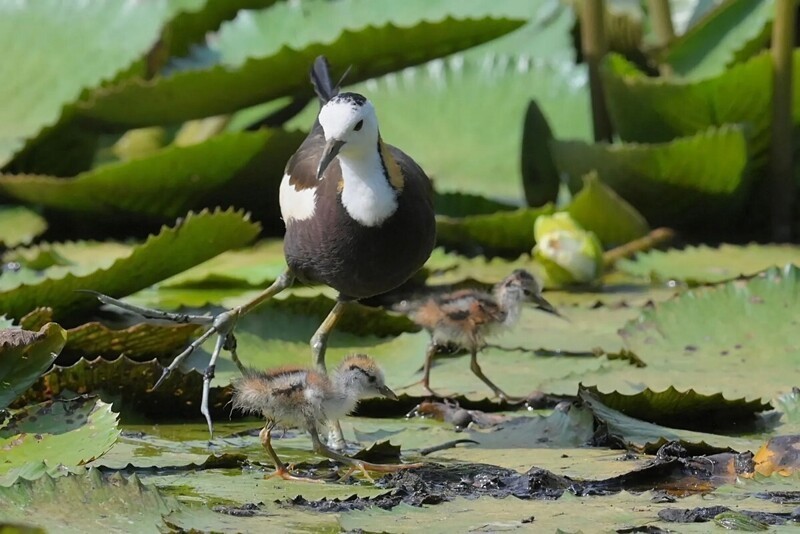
372, 380
358, 125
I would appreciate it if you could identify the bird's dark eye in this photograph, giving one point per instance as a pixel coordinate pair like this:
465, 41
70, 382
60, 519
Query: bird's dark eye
358, 125
371, 379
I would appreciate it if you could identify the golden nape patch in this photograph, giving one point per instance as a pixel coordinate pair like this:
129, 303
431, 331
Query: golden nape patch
396, 177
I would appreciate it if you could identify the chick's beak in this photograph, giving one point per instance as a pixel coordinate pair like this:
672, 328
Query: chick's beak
543, 305
388, 393
330, 151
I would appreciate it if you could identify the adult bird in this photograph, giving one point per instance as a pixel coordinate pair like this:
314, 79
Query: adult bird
359, 218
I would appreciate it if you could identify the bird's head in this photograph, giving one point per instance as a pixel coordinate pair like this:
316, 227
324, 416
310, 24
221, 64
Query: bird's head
522, 286
359, 375
350, 126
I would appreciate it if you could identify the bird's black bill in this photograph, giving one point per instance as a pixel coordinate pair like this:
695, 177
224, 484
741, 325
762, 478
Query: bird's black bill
331, 150
388, 393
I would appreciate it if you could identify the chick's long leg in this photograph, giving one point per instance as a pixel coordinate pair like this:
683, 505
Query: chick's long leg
359, 465
280, 468
430, 352
222, 325
476, 369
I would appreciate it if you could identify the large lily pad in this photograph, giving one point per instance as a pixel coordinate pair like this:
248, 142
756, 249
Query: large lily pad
703, 264
648, 437
682, 409
66, 432
24, 356
737, 339
162, 185
731, 33
194, 239
19, 225
255, 266
699, 178
42, 74
266, 55
71, 504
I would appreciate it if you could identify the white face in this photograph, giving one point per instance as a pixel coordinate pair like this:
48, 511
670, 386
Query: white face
350, 119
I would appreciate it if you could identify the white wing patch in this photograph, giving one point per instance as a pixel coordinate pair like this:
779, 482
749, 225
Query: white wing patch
296, 205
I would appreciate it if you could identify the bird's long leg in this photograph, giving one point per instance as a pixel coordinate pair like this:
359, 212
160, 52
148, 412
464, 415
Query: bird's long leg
222, 325
280, 468
476, 369
356, 465
319, 341
319, 345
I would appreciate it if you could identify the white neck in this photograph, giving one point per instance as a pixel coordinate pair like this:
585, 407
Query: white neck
341, 402
367, 195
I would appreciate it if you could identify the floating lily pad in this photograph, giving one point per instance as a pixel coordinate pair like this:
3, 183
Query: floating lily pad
648, 437
24, 356
266, 54
194, 239
66, 432
682, 409
699, 178
737, 338
703, 264
162, 185
19, 225
69, 504
255, 266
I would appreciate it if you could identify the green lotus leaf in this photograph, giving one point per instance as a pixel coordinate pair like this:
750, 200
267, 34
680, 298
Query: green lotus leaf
65, 432
648, 437
109, 503
43, 74
703, 264
699, 179
19, 225
658, 110
162, 185
199, 17
195, 238
736, 338
266, 54
682, 409
506, 231
25, 356
731, 33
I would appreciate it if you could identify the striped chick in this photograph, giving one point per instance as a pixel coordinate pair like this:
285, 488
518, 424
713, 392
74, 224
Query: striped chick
465, 318
301, 397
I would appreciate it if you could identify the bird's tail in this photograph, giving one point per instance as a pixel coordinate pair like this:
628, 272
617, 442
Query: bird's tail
251, 392
322, 81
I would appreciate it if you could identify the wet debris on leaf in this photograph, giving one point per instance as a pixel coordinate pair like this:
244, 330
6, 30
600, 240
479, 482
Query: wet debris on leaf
704, 515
